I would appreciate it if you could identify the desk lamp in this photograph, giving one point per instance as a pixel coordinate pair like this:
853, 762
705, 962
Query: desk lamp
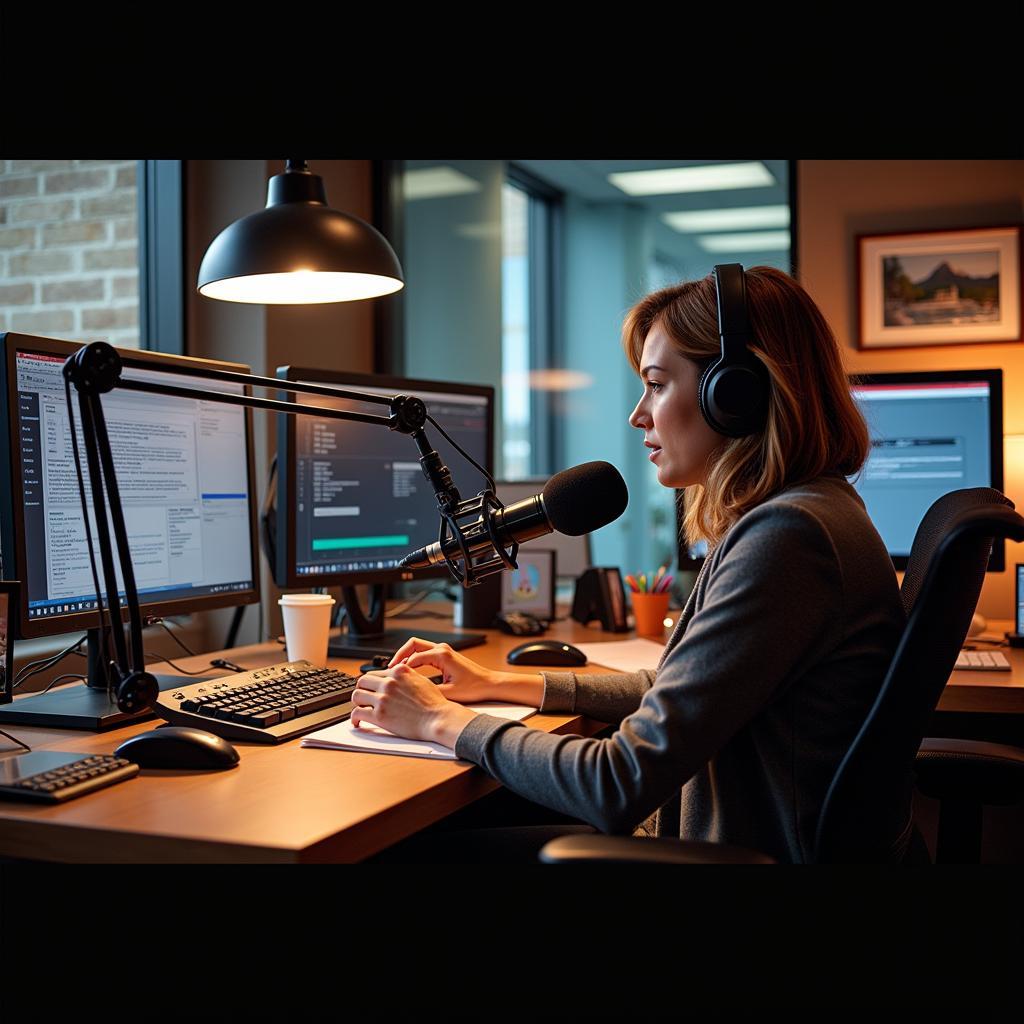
298, 250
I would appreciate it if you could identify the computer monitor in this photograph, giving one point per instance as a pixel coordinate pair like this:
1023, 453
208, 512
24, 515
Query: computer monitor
1018, 602
186, 476
689, 557
352, 499
572, 554
931, 433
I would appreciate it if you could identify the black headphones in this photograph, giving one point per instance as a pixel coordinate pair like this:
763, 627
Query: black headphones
733, 390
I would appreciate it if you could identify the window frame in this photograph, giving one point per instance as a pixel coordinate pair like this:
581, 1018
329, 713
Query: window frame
544, 262
161, 228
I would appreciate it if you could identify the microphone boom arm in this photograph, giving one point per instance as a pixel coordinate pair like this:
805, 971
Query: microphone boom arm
96, 368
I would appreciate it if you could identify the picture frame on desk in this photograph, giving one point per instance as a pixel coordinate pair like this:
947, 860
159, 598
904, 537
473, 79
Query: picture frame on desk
531, 587
9, 590
939, 287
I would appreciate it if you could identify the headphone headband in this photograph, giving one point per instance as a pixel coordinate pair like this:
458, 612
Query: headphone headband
731, 299
733, 390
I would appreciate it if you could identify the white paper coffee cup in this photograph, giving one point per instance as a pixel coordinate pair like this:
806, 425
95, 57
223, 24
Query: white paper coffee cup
307, 621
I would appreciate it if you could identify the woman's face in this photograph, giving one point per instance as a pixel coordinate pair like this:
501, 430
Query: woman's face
679, 437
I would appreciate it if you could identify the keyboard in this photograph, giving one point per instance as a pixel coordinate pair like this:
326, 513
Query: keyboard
984, 661
53, 776
265, 705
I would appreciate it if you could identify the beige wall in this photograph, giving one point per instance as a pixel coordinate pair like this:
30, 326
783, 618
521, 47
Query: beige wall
839, 199
329, 336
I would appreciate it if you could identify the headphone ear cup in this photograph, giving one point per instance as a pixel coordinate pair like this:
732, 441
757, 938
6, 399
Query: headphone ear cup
734, 398
137, 691
703, 399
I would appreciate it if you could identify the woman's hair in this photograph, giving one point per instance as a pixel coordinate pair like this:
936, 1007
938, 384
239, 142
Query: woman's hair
814, 426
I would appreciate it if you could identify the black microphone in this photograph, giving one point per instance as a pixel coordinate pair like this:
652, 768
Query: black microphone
573, 502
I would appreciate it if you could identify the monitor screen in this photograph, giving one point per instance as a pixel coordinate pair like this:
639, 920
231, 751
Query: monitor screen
6, 648
1019, 621
689, 557
352, 499
931, 433
184, 470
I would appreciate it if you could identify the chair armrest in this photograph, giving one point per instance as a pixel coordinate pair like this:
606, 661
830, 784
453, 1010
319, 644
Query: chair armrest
970, 770
597, 849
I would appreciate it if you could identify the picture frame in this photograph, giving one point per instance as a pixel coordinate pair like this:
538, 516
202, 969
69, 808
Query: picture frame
531, 587
9, 590
949, 287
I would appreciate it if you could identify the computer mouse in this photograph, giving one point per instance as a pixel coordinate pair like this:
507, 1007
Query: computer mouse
547, 652
179, 746
518, 623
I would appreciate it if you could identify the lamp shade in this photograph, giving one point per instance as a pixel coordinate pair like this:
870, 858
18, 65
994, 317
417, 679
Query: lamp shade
298, 250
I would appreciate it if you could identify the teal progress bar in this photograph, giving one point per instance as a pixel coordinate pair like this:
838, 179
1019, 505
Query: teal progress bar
395, 540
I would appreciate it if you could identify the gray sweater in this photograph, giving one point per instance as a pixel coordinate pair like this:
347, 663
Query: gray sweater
769, 673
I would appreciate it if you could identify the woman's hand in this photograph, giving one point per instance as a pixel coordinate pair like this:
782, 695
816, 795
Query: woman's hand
464, 680
408, 704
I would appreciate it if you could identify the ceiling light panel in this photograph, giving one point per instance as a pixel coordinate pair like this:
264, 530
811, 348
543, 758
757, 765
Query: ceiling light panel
745, 241
435, 182
738, 218
699, 178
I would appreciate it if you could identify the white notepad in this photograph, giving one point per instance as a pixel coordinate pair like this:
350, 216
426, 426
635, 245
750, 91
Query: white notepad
624, 655
346, 736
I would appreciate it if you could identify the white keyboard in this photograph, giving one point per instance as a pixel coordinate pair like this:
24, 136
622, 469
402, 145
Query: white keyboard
984, 661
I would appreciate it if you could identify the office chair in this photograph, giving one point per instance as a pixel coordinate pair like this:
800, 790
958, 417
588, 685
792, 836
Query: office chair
963, 775
866, 816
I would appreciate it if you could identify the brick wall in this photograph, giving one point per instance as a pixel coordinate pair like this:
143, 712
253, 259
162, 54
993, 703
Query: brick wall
69, 260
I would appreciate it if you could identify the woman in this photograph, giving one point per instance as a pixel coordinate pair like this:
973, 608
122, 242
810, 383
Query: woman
784, 641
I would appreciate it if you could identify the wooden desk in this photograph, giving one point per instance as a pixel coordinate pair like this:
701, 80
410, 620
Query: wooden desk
988, 692
290, 804
283, 804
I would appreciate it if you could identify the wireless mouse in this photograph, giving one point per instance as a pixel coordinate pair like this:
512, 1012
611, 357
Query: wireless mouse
179, 746
547, 652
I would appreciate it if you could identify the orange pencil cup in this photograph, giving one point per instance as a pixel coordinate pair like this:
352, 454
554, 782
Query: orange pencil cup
650, 611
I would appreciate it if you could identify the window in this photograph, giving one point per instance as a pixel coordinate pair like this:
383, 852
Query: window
91, 250
521, 273
528, 302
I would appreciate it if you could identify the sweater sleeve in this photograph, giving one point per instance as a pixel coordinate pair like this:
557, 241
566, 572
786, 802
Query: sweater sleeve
772, 607
607, 698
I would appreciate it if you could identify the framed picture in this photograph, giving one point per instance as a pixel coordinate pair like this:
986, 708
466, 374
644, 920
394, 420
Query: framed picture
531, 587
939, 287
8, 610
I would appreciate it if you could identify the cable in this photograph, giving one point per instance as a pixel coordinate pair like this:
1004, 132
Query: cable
47, 662
50, 659
487, 476
154, 620
14, 739
402, 609
55, 681
177, 668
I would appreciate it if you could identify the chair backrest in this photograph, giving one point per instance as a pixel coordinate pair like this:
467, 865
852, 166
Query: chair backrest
866, 815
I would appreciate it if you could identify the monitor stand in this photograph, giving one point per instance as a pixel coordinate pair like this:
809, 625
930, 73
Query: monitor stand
367, 637
84, 705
